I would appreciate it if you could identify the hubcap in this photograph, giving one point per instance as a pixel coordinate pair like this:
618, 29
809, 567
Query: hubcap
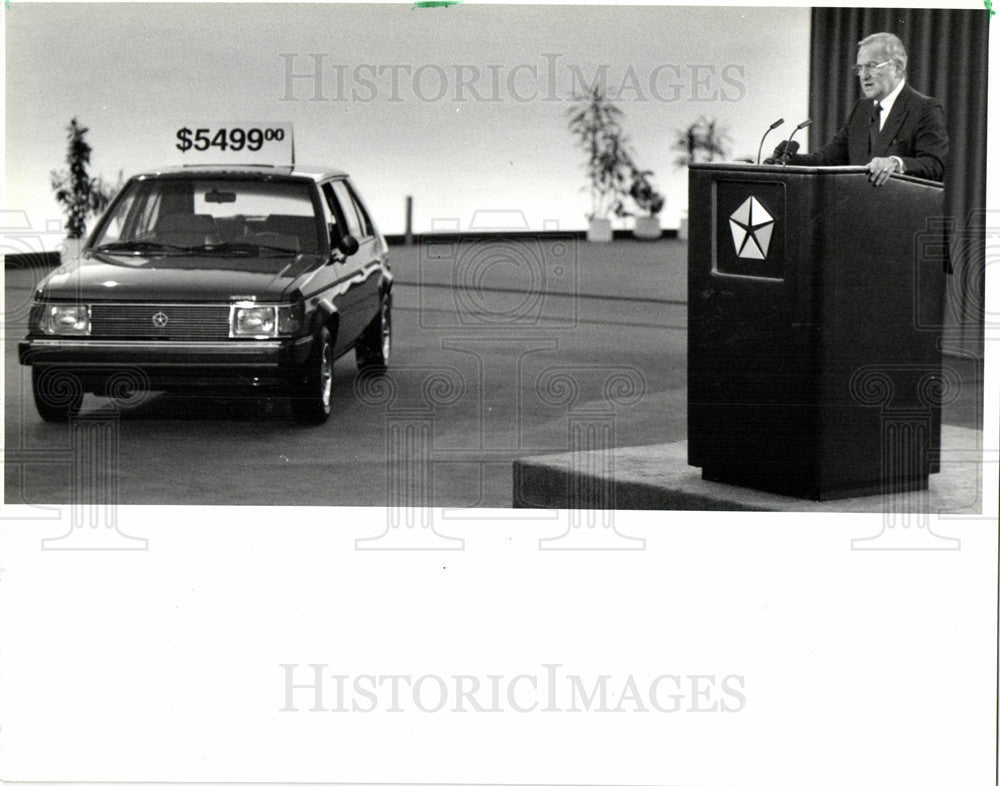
326, 376
386, 332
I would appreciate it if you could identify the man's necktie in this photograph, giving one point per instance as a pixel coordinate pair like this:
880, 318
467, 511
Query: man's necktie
873, 130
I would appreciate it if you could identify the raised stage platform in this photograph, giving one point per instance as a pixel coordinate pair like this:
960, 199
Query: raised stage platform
658, 477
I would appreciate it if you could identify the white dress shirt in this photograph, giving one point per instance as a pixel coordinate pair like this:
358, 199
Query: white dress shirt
887, 103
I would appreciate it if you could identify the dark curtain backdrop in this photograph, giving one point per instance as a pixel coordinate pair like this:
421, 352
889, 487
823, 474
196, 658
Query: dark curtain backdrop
947, 59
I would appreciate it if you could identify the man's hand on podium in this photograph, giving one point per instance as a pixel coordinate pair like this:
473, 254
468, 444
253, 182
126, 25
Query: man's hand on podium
782, 152
879, 169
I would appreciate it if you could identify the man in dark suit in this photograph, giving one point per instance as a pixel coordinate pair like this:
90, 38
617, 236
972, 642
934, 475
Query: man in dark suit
893, 128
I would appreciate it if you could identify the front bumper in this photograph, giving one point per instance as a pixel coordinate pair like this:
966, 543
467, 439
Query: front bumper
172, 364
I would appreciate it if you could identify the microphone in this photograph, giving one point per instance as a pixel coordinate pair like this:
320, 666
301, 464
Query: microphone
788, 143
771, 128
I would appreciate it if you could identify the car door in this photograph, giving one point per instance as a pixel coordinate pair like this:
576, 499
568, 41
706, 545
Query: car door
347, 291
368, 256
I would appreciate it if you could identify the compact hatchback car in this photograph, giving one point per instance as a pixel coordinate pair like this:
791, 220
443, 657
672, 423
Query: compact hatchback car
215, 276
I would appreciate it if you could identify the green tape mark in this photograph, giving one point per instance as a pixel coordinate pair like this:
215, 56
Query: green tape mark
426, 3
987, 4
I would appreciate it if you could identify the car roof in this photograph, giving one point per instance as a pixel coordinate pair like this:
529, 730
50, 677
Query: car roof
316, 173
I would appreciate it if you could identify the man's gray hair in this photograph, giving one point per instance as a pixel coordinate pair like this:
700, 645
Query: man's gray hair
891, 47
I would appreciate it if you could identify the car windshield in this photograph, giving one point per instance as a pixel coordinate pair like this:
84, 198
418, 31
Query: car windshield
188, 216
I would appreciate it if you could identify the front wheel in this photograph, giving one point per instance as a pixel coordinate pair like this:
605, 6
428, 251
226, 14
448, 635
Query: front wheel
312, 400
58, 394
372, 349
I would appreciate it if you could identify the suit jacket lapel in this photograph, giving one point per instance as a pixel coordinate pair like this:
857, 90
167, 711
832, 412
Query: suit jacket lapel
893, 122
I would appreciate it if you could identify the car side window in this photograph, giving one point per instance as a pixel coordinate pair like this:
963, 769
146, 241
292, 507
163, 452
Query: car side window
349, 211
330, 212
366, 222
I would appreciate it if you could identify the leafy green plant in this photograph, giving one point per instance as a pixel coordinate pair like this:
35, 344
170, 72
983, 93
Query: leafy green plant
597, 125
646, 197
702, 141
80, 195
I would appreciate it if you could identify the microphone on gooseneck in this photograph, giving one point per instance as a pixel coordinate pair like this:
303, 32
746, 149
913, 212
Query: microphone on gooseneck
771, 128
788, 142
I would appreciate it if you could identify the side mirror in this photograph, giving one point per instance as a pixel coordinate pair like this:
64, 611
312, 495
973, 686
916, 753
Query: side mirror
348, 245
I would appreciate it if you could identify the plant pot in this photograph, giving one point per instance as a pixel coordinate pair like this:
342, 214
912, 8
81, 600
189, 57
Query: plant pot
70, 249
682, 230
599, 230
647, 228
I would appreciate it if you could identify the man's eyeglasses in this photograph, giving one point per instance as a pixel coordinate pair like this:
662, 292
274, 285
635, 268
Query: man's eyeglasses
869, 67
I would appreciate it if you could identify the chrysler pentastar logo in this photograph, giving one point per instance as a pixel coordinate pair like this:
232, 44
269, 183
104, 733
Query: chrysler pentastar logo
160, 319
751, 226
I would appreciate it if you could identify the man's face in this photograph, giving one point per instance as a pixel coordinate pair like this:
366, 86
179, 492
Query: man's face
878, 83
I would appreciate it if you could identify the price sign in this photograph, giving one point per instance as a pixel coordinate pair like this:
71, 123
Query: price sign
235, 143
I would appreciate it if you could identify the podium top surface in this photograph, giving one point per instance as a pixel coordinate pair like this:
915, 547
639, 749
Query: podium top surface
745, 168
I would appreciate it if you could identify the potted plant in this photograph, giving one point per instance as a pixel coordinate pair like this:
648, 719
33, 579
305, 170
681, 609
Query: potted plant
596, 124
80, 195
704, 140
650, 202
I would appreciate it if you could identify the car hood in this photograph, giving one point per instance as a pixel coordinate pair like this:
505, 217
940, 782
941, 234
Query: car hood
187, 278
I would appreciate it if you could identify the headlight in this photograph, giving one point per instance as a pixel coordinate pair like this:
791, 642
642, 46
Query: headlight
66, 320
253, 321
248, 320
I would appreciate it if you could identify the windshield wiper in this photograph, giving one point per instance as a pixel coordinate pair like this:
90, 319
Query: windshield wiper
139, 246
252, 248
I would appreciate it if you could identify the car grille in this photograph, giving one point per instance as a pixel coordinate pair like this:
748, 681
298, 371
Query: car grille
115, 320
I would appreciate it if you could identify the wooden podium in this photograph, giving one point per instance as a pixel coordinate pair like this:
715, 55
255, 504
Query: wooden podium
815, 305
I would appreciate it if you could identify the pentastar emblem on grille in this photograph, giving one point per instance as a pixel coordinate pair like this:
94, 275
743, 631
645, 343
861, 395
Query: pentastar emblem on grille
751, 226
160, 319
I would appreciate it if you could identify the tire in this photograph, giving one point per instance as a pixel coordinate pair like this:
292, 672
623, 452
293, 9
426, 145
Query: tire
58, 394
373, 348
312, 400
